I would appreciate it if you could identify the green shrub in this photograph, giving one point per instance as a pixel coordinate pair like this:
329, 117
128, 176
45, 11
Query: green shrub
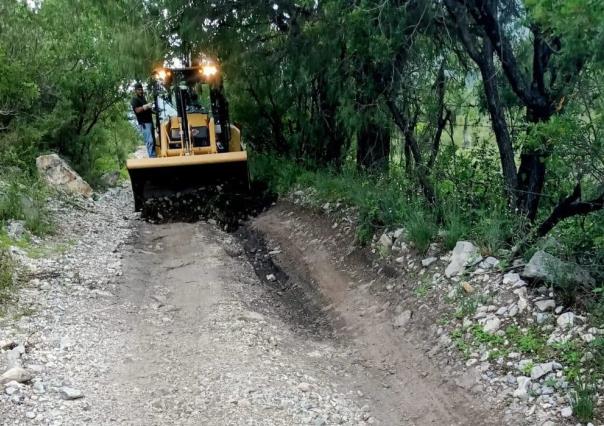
583, 400
6, 273
456, 227
25, 199
421, 229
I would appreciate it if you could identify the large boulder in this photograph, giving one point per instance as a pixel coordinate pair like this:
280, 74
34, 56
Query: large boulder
545, 267
464, 254
57, 173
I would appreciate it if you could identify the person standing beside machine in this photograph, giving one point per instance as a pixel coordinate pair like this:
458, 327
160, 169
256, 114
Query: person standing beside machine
142, 110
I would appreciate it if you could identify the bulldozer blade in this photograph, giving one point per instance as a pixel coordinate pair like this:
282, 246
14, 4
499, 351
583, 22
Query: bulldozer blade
165, 177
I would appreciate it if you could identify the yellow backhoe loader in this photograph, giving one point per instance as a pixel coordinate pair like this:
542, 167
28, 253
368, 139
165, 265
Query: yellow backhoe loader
194, 147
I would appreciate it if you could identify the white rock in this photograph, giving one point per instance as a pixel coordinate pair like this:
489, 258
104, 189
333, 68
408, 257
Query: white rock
545, 305
464, 254
541, 370
522, 305
492, 324
398, 233
304, 387
61, 176
566, 320
68, 393
428, 261
523, 387
385, 242
566, 412
588, 338
17, 374
271, 277
510, 278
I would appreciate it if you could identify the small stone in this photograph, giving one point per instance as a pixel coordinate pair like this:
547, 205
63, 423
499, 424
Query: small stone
523, 387
398, 233
545, 305
271, 277
541, 370
566, 412
30, 415
588, 338
510, 278
471, 362
38, 387
428, 261
304, 387
492, 324
467, 287
542, 318
522, 305
385, 242
17, 374
566, 320
68, 393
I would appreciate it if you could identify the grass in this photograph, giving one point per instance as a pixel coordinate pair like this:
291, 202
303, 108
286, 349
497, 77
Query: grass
24, 198
6, 274
583, 399
389, 202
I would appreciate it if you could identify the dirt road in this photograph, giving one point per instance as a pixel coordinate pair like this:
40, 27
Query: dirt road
189, 333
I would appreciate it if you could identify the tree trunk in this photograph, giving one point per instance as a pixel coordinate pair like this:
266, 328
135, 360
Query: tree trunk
373, 146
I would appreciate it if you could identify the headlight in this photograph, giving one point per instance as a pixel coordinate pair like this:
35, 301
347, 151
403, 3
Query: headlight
209, 70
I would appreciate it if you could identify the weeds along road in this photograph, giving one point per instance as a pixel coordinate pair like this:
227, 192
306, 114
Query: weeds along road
170, 324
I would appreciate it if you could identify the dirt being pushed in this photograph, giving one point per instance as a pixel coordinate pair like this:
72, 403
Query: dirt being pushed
228, 205
407, 386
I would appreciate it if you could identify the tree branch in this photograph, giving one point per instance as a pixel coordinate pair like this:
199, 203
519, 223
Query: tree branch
569, 207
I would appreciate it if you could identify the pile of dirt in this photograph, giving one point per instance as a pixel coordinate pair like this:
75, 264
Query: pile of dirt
228, 206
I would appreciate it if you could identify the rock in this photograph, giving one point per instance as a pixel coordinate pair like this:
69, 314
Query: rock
271, 277
38, 387
464, 254
402, 319
542, 318
398, 233
428, 261
522, 305
492, 324
522, 391
545, 305
541, 370
15, 229
68, 393
489, 263
467, 287
385, 243
588, 338
17, 374
544, 266
251, 316
566, 412
304, 387
110, 179
510, 278
566, 320
7, 344
58, 174
513, 310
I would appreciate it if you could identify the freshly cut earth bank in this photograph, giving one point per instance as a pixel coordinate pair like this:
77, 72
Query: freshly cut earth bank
408, 387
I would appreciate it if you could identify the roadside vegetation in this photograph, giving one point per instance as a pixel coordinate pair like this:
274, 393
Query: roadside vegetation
66, 66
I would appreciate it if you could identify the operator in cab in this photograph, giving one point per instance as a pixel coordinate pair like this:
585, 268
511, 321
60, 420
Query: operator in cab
142, 110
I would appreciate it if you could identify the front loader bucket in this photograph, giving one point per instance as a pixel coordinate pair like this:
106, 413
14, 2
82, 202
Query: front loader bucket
168, 176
